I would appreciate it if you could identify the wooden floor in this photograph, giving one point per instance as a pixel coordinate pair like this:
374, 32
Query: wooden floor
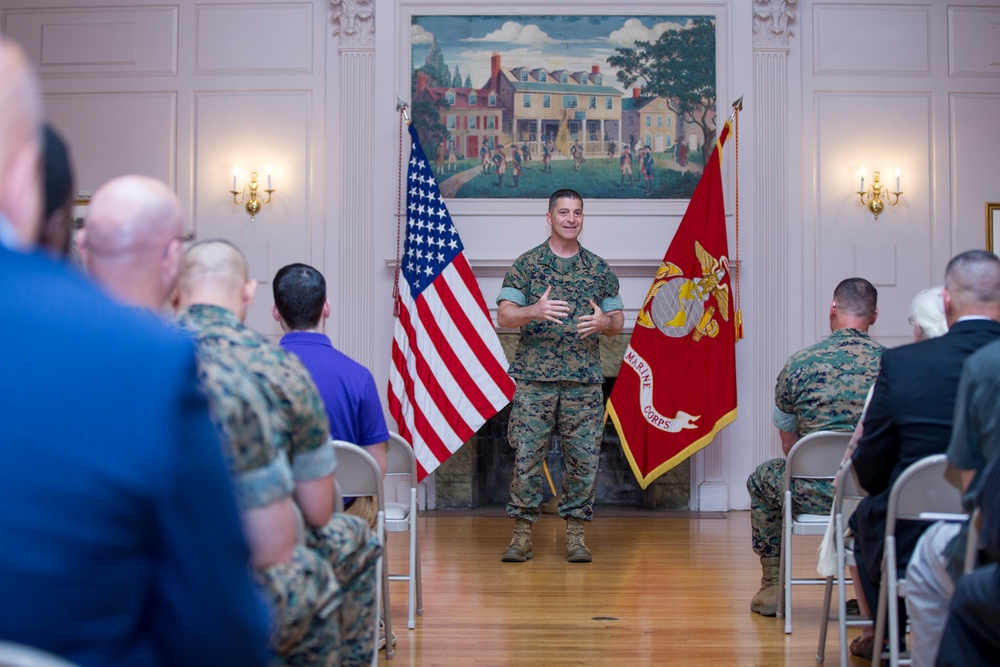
664, 589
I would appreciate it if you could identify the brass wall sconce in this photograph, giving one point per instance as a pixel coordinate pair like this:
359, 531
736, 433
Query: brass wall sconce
248, 195
877, 195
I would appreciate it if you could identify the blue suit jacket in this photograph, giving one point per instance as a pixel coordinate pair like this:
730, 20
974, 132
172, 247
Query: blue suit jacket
120, 542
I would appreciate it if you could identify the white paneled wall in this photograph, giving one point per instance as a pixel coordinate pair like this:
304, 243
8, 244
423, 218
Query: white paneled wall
187, 90
141, 126
185, 93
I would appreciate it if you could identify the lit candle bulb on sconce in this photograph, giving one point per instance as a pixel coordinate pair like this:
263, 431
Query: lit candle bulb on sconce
235, 171
862, 188
897, 179
267, 170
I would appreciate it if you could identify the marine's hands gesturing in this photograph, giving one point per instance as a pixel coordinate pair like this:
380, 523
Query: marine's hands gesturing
595, 323
552, 310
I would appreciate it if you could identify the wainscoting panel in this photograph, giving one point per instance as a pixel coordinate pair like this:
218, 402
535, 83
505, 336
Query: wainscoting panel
254, 39
854, 132
230, 129
97, 41
974, 41
859, 40
113, 134
975, 144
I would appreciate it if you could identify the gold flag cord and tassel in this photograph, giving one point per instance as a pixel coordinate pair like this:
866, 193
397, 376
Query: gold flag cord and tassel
403, 118
737, 304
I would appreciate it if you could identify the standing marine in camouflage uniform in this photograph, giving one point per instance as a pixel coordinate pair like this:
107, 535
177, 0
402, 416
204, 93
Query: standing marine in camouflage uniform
322, 592
821, 388
559, 295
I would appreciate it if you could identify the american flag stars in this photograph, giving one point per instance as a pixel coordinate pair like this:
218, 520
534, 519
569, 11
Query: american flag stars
431, 238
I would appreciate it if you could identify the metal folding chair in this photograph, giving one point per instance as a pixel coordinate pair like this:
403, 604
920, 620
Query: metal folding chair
19, 655
921, 493
402, 517
846, 497
815, 456
358, 474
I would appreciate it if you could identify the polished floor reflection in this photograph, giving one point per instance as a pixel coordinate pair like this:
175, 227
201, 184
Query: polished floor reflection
664, 589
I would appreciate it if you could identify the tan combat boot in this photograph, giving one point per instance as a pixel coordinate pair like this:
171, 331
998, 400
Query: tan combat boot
765, 602
576, 550
519, 549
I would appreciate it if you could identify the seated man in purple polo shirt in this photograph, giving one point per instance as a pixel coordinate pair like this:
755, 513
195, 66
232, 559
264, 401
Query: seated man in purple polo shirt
347, 387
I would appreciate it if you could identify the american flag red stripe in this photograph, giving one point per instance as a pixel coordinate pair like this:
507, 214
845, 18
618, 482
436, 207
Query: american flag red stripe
449, 373
449, 358
476, 349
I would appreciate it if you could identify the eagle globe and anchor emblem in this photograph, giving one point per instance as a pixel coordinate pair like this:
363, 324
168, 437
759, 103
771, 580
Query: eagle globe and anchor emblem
677, 305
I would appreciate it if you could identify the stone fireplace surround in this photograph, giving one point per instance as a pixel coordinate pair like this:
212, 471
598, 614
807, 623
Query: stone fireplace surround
479, 474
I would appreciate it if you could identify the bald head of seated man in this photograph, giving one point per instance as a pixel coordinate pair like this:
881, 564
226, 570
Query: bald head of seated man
213, 294
20, 151
133, 240
215, 273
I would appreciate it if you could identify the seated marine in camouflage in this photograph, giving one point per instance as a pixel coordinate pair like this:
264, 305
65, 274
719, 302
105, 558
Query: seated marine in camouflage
821, 388
322, 592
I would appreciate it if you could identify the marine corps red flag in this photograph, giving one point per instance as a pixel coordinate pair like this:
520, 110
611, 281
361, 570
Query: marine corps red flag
676, 388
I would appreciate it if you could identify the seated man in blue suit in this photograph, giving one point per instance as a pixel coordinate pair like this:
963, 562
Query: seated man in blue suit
121, 543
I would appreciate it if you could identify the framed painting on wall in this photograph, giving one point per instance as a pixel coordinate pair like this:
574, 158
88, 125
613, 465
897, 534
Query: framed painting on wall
513, 106
993, 227
80, 207
78, 214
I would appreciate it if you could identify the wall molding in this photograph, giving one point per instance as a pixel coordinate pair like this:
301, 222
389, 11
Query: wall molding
770, 22
354, 22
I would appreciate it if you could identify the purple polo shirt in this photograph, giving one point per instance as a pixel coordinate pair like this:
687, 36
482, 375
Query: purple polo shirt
347, 388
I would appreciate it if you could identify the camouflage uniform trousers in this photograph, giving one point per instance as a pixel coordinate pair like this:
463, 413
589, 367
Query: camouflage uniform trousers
577, 410
300, 594
349, 546
767, 486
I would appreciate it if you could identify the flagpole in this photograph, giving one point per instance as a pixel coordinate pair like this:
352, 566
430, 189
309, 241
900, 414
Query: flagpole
737, 305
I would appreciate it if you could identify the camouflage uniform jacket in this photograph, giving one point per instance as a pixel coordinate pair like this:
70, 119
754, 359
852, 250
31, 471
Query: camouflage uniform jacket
264, 402
824, 386
555, 352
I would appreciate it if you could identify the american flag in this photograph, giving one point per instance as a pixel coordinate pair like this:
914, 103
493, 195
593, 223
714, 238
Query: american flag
449, 373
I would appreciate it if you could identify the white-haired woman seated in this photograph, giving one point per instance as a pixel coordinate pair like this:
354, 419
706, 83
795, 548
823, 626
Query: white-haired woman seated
927, 314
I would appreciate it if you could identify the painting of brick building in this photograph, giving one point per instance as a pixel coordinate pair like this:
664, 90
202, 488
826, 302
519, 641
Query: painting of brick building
616, 107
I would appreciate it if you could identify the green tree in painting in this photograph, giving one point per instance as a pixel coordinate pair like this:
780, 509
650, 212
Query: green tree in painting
426, 118
468, 81
680, 68
436, 68
456, 80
